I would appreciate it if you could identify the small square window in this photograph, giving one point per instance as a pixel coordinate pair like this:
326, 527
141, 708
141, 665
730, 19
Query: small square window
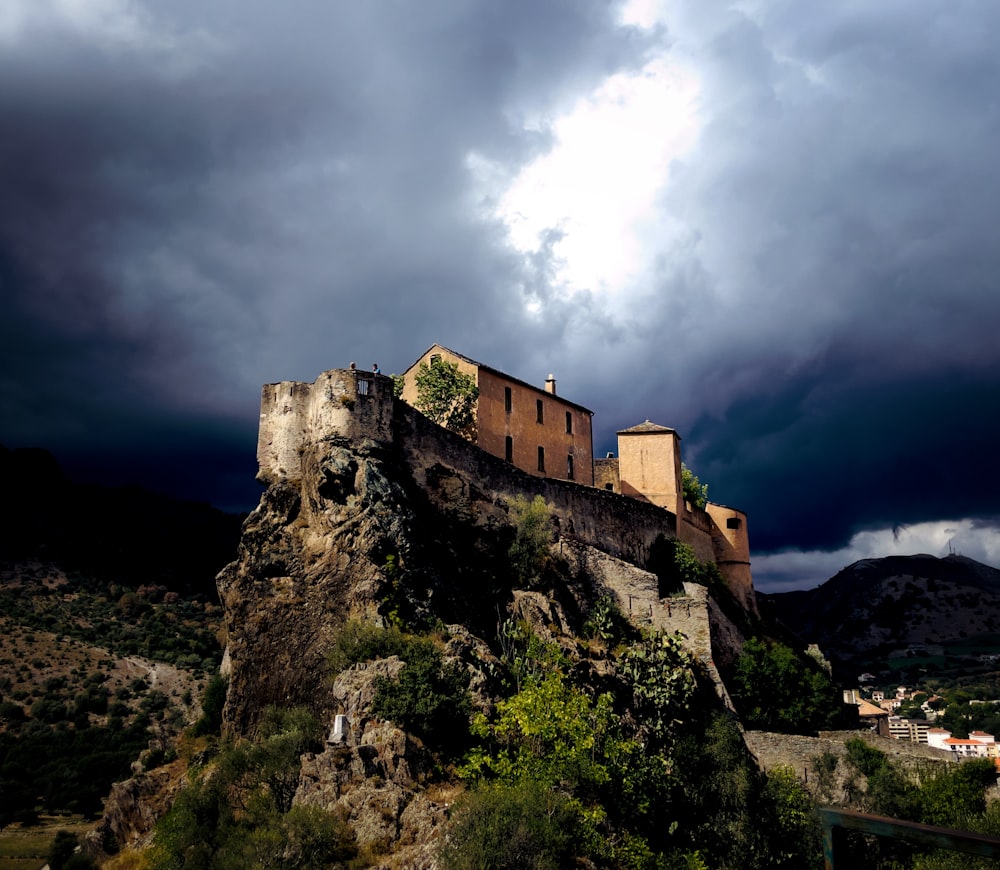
538, 408
733, 523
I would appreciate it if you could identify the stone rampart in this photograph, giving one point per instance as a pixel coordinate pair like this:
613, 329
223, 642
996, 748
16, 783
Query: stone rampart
798, 753
461, 478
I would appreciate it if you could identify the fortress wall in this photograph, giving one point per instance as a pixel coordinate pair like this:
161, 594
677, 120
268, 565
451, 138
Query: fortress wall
339, 402
282, 429
697, 538
464, 479
606, 474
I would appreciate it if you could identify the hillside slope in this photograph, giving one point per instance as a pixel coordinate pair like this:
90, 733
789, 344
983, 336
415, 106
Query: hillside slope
877, 608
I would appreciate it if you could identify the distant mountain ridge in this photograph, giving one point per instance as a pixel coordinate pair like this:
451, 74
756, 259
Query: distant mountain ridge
126, 533
897, 602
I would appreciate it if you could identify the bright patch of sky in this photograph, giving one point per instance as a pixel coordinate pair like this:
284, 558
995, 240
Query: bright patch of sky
590, 202
783, 572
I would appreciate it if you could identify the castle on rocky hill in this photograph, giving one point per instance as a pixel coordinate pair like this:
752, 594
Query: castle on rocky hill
539, 433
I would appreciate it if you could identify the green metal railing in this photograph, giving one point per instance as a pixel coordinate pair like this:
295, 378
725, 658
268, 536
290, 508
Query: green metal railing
834, 821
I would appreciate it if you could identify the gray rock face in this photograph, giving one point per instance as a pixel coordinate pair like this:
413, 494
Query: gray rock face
312, 556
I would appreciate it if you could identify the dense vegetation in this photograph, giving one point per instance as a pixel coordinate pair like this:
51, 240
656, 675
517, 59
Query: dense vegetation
148, 621
952, 796
777, 690
71, 722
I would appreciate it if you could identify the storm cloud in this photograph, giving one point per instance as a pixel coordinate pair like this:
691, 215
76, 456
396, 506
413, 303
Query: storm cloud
796, 270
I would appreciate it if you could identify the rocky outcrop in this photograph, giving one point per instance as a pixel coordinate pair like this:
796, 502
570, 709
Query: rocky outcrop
133, 808
312, 555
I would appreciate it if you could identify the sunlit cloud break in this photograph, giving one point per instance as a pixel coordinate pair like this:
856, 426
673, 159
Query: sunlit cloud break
597, 188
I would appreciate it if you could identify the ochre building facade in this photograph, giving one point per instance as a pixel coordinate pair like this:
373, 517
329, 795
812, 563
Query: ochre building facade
533, 428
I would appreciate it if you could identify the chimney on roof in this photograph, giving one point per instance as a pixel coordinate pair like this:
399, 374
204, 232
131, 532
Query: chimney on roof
550, 384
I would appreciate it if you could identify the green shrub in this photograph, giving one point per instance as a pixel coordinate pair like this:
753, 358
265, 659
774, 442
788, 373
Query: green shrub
212, 703
364, 642
511, 827
429, 697
529, 551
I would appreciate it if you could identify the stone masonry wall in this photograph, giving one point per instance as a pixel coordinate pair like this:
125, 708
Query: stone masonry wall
462, 478
797, 752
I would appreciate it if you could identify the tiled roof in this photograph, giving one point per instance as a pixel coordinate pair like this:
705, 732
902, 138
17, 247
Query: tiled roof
644, 428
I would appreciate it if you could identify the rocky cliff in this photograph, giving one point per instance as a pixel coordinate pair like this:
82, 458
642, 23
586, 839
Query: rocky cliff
371, 512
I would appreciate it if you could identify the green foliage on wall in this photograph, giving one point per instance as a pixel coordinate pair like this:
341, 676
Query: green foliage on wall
448, 396
694, 490
529, 552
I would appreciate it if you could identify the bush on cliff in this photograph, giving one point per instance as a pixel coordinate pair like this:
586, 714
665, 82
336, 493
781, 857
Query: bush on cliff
529, 551
238, 813
429, 696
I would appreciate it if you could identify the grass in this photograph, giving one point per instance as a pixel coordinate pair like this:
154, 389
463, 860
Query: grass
28, 848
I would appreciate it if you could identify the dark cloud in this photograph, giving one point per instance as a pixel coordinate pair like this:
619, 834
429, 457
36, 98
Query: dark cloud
203, 198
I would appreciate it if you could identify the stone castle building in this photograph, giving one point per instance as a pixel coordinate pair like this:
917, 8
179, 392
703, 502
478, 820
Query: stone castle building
536, 431
543, 433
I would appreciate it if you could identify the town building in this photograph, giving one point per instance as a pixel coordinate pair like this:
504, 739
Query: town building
913, 730
978, 745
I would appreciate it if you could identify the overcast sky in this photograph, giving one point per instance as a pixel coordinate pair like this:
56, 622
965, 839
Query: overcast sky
773, 227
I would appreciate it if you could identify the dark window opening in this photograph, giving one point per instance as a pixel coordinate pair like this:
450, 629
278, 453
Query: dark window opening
733, 523
538, 408
363, 386
508, 449
507, 400
541, 459
569, 468
610, 486
569, 423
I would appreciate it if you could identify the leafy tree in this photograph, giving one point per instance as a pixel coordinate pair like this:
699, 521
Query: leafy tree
549, 732
954, 796
694, 490
529, 552
448, 396
775, 690
796, 838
